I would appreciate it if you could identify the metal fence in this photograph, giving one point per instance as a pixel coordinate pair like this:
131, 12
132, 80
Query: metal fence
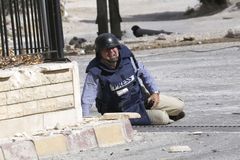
31, 26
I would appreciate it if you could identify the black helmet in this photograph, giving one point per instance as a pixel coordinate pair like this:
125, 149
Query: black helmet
105, 40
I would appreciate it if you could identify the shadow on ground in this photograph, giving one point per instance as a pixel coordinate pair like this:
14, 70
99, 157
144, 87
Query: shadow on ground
206, 10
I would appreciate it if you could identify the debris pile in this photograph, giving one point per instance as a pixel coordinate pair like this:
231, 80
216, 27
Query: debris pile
16, 60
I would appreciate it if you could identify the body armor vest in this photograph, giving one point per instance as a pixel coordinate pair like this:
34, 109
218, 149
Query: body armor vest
120, 88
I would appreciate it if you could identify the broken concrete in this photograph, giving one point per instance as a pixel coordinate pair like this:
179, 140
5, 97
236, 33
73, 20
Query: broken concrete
90, 133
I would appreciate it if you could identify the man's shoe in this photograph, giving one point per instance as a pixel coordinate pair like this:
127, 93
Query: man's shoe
177, 117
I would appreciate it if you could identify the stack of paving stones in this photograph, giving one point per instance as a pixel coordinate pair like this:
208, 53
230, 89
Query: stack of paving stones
90, 133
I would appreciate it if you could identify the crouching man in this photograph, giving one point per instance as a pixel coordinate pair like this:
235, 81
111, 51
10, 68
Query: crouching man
117, 82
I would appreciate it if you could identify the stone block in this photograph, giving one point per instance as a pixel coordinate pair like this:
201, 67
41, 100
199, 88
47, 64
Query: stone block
59, 89
64, 76
65, 117
3, 98
39, 92
4, 79
30, 76
4, 85
3, 112
46, 105
121, 115
24, 77
51, 145
26, 94
51, 67
55, 104
82, 140
19, 150
174, 149
13, 97
58, 76
15, 110
30, 108
109, 134
26, 124
5, 74
64, 102
44, 80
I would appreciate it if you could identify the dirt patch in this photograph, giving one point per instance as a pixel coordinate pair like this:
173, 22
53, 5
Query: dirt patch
160, 44
153, 44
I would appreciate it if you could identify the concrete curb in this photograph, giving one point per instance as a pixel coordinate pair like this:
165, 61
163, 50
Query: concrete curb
91, 133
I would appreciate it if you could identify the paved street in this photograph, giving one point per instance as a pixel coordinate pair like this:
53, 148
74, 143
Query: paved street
207, 78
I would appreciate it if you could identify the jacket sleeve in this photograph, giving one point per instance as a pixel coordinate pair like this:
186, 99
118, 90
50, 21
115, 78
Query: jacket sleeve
89, 93
147, 79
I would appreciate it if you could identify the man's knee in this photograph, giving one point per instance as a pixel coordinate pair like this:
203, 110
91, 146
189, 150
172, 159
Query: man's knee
180, 105
176, 107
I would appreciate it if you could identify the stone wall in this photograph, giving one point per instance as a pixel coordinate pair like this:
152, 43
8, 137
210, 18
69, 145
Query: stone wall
38, 97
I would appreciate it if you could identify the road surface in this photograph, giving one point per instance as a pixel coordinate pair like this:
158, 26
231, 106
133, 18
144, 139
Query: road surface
207, 78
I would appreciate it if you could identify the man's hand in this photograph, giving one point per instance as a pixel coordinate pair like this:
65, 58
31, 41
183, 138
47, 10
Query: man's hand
153, 100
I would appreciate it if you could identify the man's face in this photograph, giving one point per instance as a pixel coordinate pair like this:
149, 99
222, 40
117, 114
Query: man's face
110, 56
